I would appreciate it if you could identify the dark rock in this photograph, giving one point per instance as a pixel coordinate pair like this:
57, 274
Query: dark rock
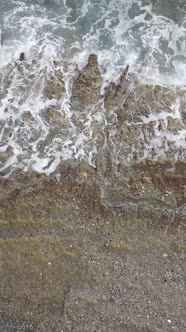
22, 57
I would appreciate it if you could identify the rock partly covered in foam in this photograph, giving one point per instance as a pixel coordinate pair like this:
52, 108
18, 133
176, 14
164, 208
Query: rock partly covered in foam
132, 120
127, 123
54, 86
87, 86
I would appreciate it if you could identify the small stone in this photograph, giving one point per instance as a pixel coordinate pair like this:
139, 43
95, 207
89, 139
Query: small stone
27, 116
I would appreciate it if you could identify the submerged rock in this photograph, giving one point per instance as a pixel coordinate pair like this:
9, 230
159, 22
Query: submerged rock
27, 117
54, 118
4, 156
54, 87
116, 94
